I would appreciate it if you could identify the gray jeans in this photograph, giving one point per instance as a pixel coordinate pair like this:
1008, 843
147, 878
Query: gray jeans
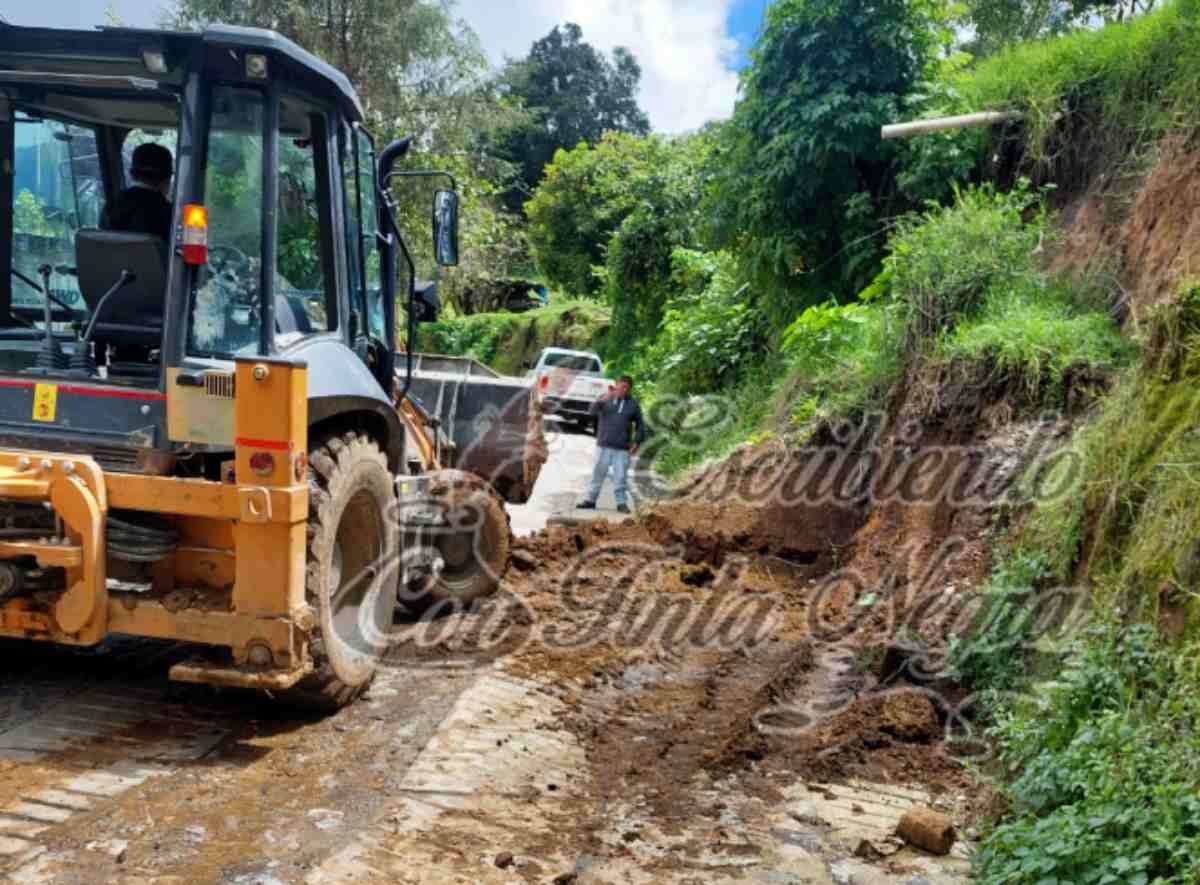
616, 460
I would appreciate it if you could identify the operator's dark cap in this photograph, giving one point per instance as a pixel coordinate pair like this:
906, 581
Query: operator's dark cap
153, 161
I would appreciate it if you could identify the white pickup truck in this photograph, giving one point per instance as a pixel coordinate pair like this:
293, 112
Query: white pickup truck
568, 382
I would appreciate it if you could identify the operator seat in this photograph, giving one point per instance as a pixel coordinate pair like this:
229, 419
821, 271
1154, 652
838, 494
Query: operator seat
133, 317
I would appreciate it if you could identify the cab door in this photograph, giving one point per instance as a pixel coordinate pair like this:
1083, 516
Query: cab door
370, 316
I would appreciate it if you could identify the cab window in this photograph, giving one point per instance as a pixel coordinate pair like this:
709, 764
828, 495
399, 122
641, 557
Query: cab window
372, 279
362, 244
57, 189
305, 300
225, 310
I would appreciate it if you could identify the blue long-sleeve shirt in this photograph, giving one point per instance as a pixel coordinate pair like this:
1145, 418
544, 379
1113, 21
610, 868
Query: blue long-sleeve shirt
614, 423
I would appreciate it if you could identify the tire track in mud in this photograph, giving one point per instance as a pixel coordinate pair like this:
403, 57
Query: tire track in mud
79, 728
109, 772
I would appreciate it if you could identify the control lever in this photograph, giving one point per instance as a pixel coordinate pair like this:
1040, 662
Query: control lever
82, 361
51, 357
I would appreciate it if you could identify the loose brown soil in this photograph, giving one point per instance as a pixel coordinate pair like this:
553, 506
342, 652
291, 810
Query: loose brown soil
834, 674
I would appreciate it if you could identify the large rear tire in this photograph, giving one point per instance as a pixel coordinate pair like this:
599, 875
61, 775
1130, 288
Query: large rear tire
350, 577
473, 546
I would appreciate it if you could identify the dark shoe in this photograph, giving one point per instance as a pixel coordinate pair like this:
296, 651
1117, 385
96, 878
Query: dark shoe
621, 508
586, 505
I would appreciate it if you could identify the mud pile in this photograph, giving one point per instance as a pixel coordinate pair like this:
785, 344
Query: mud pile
787, 616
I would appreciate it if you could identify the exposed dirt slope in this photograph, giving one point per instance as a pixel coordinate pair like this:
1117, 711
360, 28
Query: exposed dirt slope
1143, 232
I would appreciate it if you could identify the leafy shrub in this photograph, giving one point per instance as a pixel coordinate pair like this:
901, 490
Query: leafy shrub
990, 656
696, 430
29, 216
1106, 767
842, 358
587, 193
945, 262
639, 267
929, 168
709, 332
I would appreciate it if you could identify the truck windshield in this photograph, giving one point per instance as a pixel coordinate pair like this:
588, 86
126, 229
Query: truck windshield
576, 362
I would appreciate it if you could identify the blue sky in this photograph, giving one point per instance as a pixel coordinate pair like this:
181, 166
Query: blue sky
690, 50
743, 23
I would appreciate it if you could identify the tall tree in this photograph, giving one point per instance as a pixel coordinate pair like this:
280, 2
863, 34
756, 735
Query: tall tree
415, 67
574, 94
803, 178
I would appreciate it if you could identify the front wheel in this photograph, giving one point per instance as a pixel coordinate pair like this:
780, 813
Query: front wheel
350, 580
473, 544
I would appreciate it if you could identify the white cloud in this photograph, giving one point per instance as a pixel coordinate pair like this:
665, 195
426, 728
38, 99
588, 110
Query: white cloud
682, 45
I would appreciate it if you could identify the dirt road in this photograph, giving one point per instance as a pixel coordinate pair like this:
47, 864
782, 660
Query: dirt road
644, 701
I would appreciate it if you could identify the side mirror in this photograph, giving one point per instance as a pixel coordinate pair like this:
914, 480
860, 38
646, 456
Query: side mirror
426, 304
445, 227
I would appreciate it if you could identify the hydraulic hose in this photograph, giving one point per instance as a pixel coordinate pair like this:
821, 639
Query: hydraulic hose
140, 541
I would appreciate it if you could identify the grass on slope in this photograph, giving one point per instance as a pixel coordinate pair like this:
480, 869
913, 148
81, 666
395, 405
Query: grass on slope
1132, 82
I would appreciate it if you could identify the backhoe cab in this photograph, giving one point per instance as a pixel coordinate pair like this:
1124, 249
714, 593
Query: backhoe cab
199, 437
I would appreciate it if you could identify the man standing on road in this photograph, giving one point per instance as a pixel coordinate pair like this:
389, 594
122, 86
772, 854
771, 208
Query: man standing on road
616, 413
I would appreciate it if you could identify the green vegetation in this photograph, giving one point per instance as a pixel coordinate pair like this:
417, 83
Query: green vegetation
974, 292
690, 431
1001, 23
1100, 765
787, 269
708, 334
1138, 514
1104, 765
962, 286
803, 179
1034, 345
589, 191
29, 216
989, 658
509, 341
1128, 84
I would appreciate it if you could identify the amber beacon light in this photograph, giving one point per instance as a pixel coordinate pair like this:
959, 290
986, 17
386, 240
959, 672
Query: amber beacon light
195, 234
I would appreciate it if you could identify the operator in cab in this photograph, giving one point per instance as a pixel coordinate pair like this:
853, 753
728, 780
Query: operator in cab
143, 207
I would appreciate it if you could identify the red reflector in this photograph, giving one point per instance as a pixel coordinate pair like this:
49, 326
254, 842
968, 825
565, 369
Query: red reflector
195, 234
545, 382
262, 463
